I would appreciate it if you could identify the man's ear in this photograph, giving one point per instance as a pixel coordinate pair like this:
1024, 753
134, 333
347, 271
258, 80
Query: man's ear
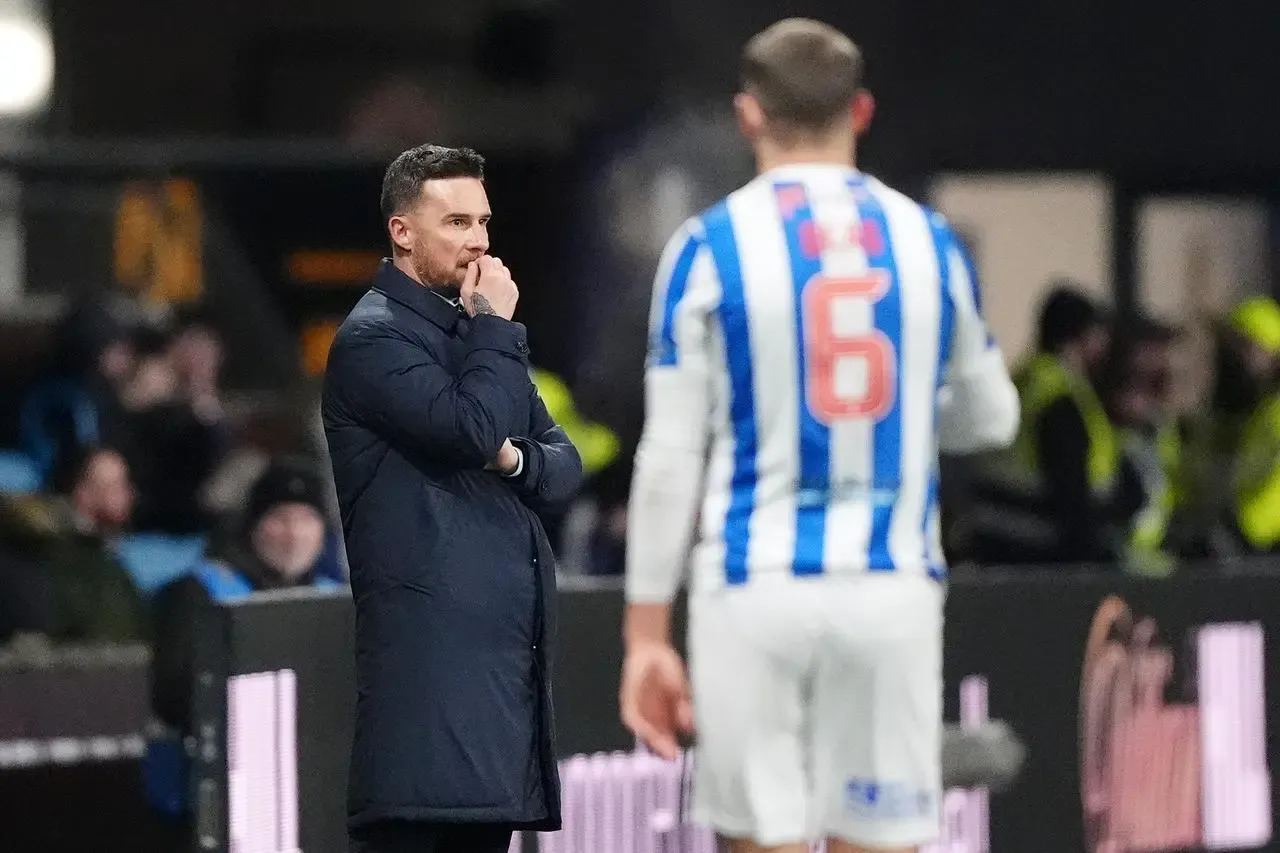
401, 233
751, 119
863, 109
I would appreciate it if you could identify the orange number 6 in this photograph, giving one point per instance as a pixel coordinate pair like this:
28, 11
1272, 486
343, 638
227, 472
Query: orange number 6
825, 348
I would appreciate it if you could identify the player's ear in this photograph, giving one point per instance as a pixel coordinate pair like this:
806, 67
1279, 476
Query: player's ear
863, 110
401, 233
750, 115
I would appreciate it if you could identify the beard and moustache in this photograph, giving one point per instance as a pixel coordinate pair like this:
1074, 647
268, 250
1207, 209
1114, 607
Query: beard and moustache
445, 279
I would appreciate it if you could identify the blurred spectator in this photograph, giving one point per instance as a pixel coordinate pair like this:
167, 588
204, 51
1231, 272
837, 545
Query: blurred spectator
1245, 429
277, 543
1247, 354
595, 443
1058, 496
648, 179
1256, 481
173, 428
77, 404
657, 176
65, 544
150, 393
1137, 392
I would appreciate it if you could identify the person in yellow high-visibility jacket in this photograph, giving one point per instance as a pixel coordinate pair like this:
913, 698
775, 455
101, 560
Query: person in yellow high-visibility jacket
596, 443
1053, 497
1256, 480
1226, 445
1140, 406
1256, 474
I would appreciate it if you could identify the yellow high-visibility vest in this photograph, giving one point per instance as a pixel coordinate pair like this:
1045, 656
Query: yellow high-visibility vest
1043, 381
596, 443
1146, 553
1256, 478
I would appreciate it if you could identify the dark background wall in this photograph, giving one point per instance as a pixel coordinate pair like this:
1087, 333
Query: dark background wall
1157, 86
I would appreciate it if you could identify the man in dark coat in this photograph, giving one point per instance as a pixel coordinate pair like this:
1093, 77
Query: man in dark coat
443, 454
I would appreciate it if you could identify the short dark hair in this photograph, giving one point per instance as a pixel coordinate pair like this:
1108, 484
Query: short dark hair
804, 74
408, 172
1066, 316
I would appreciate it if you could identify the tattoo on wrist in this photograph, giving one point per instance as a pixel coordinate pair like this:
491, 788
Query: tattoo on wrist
480, 305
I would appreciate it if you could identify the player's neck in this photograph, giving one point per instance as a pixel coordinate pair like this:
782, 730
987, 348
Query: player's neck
834, 152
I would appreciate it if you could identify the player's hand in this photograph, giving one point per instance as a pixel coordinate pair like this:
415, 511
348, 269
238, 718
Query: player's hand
654, 697
507, 459
488, 289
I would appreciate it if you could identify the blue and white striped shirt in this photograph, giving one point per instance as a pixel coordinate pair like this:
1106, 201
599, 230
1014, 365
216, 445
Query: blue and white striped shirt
815, 337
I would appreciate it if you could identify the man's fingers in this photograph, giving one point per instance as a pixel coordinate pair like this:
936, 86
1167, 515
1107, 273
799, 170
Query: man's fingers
659, 738
666, 746
470, 279
638, 725
660, 741
684, 715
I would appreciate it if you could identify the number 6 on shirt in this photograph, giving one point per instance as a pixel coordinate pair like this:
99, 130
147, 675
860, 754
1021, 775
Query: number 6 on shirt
826, 348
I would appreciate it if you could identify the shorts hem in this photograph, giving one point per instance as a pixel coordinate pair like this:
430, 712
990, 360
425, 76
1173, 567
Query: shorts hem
900, 835
747, 829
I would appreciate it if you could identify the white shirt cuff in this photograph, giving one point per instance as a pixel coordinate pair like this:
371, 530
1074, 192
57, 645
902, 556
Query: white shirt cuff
519, 464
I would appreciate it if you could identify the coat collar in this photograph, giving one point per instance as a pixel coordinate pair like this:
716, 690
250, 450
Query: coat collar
394, 284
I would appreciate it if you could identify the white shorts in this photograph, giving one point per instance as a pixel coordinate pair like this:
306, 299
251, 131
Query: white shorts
818, 704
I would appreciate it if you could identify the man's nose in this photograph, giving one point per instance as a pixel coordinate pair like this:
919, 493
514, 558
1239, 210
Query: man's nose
478, 239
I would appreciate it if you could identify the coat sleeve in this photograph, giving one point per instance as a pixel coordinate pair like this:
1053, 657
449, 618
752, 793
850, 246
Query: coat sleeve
399, 390
552, 473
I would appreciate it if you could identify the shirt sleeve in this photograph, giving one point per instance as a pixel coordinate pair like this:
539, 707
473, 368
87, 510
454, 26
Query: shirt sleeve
670, 460
978, 403
519, 464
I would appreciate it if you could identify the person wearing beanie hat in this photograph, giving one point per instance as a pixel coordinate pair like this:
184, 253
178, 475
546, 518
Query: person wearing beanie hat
276, 543
284, 522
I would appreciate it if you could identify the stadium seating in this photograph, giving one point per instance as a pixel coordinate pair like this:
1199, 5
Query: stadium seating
155, 559
18, 473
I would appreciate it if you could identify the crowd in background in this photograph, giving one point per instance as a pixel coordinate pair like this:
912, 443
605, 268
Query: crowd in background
126, 474
1106, 471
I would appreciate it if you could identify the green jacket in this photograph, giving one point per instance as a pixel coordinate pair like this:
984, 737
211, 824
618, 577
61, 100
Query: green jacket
94, 598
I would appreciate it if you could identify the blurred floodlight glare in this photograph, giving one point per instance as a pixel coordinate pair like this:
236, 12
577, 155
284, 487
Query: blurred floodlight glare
26, 65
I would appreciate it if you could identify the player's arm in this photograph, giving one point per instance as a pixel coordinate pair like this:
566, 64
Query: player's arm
978, 404
667, 484
669, 462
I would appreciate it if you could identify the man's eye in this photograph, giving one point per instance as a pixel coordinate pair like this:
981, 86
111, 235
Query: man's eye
458, 223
